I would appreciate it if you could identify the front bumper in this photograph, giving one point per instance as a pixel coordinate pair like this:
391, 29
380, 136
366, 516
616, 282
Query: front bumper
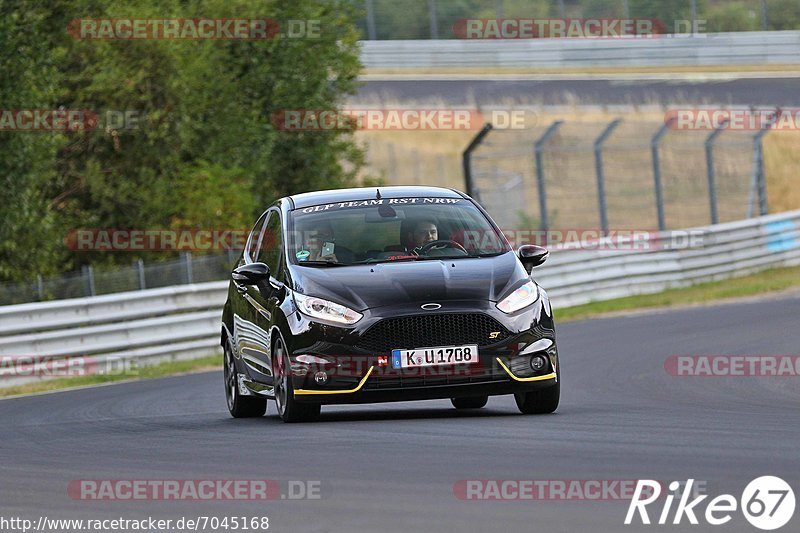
332, 369
374, 388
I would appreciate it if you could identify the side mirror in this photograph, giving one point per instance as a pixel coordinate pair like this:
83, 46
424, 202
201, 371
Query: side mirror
532, 256
251, 274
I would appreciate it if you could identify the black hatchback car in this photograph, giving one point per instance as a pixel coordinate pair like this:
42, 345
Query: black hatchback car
387, 294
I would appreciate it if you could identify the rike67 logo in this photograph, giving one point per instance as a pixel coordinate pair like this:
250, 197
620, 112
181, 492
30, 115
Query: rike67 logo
767, 503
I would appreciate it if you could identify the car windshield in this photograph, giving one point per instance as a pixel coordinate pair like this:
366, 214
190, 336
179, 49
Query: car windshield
391, 229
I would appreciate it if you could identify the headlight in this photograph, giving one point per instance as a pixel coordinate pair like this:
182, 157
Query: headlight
325, 310
520, 298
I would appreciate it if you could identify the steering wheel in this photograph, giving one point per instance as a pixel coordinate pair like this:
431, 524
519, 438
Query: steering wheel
440, 244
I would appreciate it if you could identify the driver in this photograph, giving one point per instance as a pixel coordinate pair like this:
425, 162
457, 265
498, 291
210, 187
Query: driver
421, 233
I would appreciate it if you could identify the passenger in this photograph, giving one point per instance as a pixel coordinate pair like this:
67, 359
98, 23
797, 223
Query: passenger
319, 245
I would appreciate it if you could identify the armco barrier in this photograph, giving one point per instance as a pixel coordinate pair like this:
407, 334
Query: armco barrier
149, 326
184, 321
725, 250
740, 48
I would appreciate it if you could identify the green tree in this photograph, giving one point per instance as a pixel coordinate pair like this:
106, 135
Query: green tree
203, 151
29, 230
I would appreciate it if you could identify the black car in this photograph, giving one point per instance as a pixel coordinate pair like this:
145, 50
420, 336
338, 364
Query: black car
387, 294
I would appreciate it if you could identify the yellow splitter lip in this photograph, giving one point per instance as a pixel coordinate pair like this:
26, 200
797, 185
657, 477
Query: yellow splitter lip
307, 392
545, 377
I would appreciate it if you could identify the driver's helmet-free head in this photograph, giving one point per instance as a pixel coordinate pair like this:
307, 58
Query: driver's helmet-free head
417, 233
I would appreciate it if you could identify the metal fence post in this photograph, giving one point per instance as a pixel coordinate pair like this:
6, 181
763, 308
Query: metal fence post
433, 20
764, 16
759, 182
186, 258
598, 168
88, 275
371, 34
40, 287
712, 187
654, 145
466, 161
538, 148
140, 272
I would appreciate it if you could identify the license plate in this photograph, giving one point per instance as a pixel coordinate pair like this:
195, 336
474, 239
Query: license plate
436, 356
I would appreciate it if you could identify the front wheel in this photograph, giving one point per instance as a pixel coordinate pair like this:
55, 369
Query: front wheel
289, 409
471, 402
238, 405
539, 402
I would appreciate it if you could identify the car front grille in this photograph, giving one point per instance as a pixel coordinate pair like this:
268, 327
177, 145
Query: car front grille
441, 329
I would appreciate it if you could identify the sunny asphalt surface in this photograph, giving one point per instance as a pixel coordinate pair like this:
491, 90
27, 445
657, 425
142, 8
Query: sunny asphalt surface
766, 91
392, 467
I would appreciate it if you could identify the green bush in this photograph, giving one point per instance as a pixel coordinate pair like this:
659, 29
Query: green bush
204, 150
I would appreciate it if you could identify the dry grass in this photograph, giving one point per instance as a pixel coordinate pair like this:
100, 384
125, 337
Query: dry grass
781, 165
773, 281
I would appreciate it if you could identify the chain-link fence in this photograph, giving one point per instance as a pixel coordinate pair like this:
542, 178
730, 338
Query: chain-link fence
139, 275
578, 174
616, 175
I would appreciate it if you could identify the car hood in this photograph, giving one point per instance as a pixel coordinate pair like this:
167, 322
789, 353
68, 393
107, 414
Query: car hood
363, 287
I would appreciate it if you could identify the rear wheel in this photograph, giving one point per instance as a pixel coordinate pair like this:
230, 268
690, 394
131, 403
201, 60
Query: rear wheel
289, 409
240, 406
539, 402
470, 402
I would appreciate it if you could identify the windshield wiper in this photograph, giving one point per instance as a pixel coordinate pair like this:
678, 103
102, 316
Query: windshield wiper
323, 263
376, 260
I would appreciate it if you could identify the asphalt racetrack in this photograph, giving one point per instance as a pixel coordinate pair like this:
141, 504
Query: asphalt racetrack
393, 467
620, 90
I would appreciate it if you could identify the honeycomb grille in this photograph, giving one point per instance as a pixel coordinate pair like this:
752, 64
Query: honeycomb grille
444, 329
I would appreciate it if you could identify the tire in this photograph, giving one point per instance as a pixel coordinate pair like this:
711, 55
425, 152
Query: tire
238, 405
471, 402
539, 402
289, 409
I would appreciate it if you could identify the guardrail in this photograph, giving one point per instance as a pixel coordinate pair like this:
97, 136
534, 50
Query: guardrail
755, 48
183, 322
719, 252
148, 326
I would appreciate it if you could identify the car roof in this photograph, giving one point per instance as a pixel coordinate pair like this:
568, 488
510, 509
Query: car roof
309, 199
